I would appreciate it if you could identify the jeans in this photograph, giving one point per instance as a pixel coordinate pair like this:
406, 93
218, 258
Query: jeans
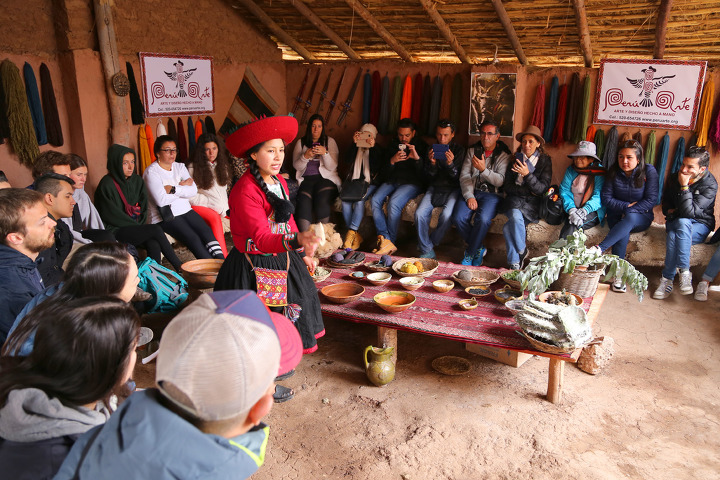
423, 213
590, 221
713, 268
515, 235
399, 195
620, 229
682, 233
353, 212
474, 233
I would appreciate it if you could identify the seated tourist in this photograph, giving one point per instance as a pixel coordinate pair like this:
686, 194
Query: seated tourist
441, 171
61, 390
711, 271
184, 428
50, 161
57, 194
527, 178
402, 172
580, 190
688, 203
26, 229
85, 224
481, 177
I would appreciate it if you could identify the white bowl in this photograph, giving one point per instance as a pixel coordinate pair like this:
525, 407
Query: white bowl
412, 283
379, 278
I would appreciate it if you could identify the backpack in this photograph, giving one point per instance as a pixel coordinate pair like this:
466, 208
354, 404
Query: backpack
551, 206
168, 289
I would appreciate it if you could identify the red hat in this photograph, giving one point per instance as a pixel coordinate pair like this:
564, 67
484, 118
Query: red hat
259, 131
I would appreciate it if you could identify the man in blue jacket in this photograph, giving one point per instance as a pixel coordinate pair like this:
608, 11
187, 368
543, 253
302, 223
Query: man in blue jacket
25, 231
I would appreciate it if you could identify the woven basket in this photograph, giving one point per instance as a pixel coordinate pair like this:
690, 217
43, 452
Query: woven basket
581, 282
513, 283
319, 277
373, 267
542, 346
480, 277
429, 266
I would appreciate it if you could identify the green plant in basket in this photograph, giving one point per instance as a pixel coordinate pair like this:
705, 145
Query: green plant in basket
564, 255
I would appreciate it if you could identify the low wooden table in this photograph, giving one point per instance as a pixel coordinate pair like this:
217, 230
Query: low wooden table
439, 315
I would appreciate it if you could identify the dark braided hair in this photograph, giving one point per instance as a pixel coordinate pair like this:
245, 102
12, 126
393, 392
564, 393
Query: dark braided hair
283, 208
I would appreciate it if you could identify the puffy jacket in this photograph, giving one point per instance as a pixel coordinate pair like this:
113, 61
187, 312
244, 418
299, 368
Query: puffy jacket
492, 177
526, 197
697, 202
619, 192
594, 203
21, 281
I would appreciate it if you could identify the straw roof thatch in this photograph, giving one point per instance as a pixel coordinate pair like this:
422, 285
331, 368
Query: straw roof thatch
547, 32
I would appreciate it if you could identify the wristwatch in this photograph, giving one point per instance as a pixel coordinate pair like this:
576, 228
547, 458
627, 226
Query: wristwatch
172, 190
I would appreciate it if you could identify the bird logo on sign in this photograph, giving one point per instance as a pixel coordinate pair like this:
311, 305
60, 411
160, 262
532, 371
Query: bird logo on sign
648, 83
180, 76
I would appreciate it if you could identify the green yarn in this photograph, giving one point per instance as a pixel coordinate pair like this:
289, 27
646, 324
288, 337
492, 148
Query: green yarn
650, 148
582, 123
22, 132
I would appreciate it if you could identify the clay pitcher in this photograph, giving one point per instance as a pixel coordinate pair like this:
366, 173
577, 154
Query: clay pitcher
380, 370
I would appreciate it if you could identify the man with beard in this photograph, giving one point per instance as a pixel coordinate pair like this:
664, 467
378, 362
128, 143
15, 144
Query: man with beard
25, 230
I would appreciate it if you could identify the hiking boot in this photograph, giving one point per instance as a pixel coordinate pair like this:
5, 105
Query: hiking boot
386, 247
467, 258
430, 254
349, 239
619, 286
664, 289
702, 291
686, 287
380, 239
357, 241
478, 258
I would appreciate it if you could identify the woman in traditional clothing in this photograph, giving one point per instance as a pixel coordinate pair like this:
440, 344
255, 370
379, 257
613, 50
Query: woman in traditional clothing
266, 238
580, 190
315, 160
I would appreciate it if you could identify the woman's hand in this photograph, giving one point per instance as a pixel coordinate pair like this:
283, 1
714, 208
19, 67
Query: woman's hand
187, 182
319, 150
309, 241
520, 168
311, 263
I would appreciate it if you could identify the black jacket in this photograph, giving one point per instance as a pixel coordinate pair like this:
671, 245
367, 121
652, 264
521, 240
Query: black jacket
441, 176
50, 266
526, 197
405, 172
697, 202
376, 158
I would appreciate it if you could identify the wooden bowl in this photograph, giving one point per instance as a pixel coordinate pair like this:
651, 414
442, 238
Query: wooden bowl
429, 267
443, 286
480, 277
412, 283
468, 304
505, 294
201, 273
343, 292
379, 278
477, 290
543, 297
394, 301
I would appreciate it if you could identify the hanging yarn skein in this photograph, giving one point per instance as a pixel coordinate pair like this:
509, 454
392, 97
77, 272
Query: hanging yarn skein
611, 148
384, 117
584, 112
417, 98
434, 113
551, 109
375, 98
33, 96
407, 99
714, 135
137, 110
599, 141
557, 136
679, 155
456, 100
574, 103
172, 131
650, 148
664, 150
590, 134
446, 96
49, 105
538, 118
425, 107
210, 125
397, 94
705, 113
22, 133
367, 97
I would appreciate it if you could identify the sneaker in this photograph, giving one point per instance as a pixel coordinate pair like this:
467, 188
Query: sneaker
702, 291
686, 287
619, 286
430, 254
467, 259
523, 258
478, 258
664, 289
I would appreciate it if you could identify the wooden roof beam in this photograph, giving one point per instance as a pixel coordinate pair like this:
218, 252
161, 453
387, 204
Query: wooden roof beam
581, 19
275, 28
661, 28
379, 29
324, 29
445, 30
510, 31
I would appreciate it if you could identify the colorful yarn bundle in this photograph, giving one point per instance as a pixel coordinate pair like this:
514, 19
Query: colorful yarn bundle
664, 150
610, 151
538, 118
583, 112
384, 117
557, 136
33, 95
397, 96
49, 105
679, 155
551, 110
22, 133
705, 113
407, 99
650, 148
137, 111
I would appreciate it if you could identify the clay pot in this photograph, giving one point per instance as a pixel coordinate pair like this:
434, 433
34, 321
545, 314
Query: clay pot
380, 370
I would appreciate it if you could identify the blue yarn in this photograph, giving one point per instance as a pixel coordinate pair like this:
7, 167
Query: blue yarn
551, 110
664, 150
191, 135
31, 89
679, 155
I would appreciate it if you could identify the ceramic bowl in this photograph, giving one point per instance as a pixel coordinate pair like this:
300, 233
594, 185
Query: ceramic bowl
394, 301
379, 278
201, 273
443, 286
468, 304
343, 292
544, 297
503, 295
357, 275
477, 290
412, 283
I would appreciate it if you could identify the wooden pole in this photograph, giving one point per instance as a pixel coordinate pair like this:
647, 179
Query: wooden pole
445, 30
509, 31
555, 380
324, 29
661, 28
581, 20
110, 58
387, 337
379, 29
275, 28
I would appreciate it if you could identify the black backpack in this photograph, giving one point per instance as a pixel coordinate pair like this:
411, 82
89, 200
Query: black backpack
551, 206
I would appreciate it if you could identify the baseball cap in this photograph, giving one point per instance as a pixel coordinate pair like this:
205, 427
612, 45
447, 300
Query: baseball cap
218, 356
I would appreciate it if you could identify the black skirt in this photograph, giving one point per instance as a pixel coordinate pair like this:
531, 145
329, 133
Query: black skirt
236, 274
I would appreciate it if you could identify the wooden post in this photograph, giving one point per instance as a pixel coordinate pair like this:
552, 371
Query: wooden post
110, 58
439, 22
324, 29
387, 337
581, 19
379, 29
509, 30
555, 380
661, 28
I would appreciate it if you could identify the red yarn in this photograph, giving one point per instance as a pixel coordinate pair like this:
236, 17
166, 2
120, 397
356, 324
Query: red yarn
538, 118
557, 137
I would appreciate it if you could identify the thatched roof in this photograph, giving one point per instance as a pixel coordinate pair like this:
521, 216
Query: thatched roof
536, 32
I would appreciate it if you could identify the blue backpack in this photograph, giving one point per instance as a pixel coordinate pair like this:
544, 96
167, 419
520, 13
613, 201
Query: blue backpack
169, 290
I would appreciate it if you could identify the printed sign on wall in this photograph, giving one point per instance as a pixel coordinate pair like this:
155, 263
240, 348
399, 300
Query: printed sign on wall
177, 84
649, 93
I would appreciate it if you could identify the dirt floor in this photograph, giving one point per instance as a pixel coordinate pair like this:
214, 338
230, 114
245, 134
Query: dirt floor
653, 413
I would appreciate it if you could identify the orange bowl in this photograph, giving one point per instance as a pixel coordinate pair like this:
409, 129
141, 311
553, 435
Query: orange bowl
343, 292
394, 301
201, 273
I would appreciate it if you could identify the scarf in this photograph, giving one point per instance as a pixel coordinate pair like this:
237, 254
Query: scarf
22, 133
582, 188
137, 111
362, 164
49, 105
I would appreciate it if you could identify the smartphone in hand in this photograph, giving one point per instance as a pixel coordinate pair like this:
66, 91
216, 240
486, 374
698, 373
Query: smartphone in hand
363, 140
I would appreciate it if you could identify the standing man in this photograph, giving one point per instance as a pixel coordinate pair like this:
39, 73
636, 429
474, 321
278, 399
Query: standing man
688, 204
25, 230
403, 173
57, 195
442, 170
482, 175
